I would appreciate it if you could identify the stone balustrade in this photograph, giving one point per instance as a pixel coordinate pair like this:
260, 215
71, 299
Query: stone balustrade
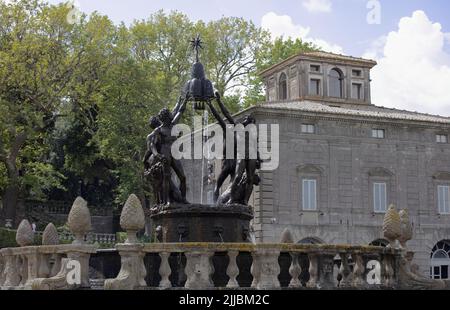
327, 266
50, 265
44, 267
284, 265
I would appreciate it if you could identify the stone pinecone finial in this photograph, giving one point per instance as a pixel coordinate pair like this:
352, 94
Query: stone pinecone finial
406, 228
286, 236
132, 218
50, 235
24, 234
79, 220
392, 225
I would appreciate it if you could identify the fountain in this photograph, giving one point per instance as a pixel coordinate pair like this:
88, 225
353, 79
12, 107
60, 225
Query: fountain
177, 220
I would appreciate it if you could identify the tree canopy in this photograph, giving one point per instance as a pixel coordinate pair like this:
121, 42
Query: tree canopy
75, 99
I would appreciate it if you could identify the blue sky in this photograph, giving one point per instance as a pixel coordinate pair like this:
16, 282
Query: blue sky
411, 43
345, 25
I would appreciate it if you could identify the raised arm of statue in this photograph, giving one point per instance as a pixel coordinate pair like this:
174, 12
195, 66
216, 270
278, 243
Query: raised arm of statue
217, 116
177, 106
181, 109
224, 109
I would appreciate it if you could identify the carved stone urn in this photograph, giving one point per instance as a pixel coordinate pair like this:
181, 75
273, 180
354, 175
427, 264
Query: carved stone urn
79, 220
132, 218
406, 228
50, 235
392, 226
24, 235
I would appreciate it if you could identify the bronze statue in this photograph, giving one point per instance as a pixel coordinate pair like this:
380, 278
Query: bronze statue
247, 167
228, 164
242, 172
158, 160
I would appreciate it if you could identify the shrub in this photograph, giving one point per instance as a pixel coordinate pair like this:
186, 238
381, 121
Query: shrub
121, 237
7, 238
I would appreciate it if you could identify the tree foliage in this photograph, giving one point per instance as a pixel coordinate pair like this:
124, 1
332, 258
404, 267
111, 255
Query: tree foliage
75, 99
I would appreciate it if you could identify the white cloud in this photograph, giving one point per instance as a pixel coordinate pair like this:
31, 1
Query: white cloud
413, 69
283, 25
317, 5
376, 48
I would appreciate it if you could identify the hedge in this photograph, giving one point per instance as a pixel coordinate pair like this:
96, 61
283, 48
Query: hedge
7, 238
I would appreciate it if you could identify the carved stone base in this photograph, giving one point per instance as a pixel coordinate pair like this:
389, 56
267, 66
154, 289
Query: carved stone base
410, 280
132, 273
202, 223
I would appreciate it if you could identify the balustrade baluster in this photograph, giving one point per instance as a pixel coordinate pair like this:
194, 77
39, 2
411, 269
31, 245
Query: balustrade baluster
199, 269
344, 271
358, 271
164, 270
55, 262
268, 268
232, 270
388, 270
326, 270
295, 270
23, 269
255, 269
11, 269
313, 270
44, 266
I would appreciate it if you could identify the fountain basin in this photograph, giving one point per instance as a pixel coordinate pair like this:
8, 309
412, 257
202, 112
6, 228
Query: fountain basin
202, 223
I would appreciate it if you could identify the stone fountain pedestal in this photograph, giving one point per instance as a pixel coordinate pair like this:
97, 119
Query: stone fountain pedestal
201, 223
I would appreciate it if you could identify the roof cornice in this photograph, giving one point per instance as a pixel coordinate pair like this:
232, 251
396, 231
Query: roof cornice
319, 57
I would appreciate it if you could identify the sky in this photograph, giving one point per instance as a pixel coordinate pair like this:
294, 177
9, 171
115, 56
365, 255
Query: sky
410, 39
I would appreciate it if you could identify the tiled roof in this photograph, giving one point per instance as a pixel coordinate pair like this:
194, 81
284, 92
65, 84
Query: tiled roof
368, 111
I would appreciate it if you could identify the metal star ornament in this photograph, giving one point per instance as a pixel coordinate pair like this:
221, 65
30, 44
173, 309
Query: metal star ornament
196, 44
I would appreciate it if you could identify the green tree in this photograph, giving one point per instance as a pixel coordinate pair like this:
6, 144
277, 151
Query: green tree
34, 72
46, 64
232, 46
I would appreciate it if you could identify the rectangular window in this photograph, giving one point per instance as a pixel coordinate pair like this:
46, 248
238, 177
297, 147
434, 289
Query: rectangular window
444, 199
378, 133
314, 87
441, 139
309, 195
356, 73
379, 197
314, 68
308, 128
357, 91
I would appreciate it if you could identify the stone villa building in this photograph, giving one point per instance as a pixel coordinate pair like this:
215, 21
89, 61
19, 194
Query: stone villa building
344, 160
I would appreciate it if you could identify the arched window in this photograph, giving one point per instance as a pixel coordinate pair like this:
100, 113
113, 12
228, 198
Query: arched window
282, 87
440, 260
335, 83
